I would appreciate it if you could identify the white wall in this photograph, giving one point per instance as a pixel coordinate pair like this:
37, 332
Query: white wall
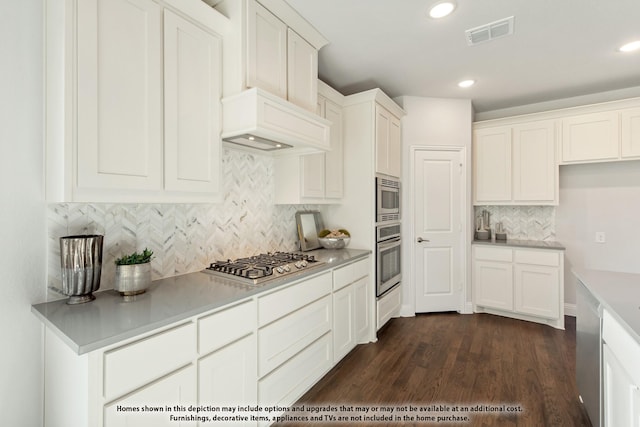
431, 122
22, 212
599, 197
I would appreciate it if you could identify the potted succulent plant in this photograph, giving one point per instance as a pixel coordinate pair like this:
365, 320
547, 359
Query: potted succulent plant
133, 273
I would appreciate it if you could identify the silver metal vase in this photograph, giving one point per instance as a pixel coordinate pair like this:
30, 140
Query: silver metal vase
81, 266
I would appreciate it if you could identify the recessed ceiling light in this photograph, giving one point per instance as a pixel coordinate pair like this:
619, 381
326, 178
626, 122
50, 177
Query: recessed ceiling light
442, 9
630, 47
466, 83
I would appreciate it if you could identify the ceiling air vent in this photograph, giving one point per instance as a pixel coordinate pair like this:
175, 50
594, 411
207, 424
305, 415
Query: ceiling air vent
491, 31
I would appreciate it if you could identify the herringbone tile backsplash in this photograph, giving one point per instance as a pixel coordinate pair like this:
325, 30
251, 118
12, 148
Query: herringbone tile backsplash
184, 237
523, 222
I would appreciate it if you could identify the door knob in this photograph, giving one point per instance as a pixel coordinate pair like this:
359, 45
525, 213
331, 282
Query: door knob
420, 240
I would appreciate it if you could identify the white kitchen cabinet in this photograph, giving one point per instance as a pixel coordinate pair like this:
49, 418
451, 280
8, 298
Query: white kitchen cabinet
492, 165
351, 314
119, 95
388, 143
273, 48
228, 376
525, 283
388, 306
192, 111
621, 372
590, 137
140, 101
266, 50
302, 71
318, 177
516, 164
178, 388
630, 133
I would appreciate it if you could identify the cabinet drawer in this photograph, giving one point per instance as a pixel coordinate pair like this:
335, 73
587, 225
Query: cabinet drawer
136, 364
541, 257
286, 384
281, 303
226, 326
493, 254
350, 273
625, 348
283, 338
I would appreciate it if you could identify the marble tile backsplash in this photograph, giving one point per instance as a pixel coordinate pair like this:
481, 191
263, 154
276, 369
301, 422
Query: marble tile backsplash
184, 237
523, 222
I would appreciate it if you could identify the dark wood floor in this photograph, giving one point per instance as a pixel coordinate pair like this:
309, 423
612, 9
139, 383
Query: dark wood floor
463, 360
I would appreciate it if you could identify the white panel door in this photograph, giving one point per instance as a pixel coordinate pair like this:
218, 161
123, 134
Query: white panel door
534, 162
119, 94
266, 50
438, 216
193, 80
302, 72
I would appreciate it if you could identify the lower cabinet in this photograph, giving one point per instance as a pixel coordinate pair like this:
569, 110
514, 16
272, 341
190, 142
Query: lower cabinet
519, 282
388, 306
621, 371
267, 350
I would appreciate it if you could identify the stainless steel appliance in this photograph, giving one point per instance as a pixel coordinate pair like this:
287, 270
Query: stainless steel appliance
387, 199
262, 268
589, 353
388, 257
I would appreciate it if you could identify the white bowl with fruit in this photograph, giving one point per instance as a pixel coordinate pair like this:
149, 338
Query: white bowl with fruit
334, 239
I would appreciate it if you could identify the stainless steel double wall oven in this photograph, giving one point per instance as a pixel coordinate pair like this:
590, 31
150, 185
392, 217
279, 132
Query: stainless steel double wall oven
388, 241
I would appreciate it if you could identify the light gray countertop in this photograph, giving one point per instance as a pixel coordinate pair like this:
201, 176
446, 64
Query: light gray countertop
110, 319
619, 294
534, 244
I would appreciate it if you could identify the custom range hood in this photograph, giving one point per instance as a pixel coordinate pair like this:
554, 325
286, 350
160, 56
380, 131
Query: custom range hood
255, 119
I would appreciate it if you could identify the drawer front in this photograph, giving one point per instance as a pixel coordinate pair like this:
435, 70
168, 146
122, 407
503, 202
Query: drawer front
278, 304
540, 257
226, 326
625, 348
487, 253
286, 384
350, 273
136, 364
285, 337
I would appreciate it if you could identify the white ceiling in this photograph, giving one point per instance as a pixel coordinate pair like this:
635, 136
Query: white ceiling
560, 48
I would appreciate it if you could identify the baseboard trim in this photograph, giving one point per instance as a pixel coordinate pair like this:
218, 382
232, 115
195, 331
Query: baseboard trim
570, 310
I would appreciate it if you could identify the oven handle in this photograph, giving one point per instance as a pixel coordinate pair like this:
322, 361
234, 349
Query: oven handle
388, 244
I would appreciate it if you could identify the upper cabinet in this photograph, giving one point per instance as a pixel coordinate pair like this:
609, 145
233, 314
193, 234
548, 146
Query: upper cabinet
272, 48
133, 101
388, 142
515, 165
318, 177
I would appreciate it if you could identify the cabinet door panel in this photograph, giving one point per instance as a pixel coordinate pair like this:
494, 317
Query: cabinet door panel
178, 388
363, 309
590, 137
534, 164
266, 51
620, 393
302, 72
192, 71
312, 175
630, 128
383, 126
119, 82
492, 165
394, 152
343, 322
228, 377
334, 159
493, 283
537, 290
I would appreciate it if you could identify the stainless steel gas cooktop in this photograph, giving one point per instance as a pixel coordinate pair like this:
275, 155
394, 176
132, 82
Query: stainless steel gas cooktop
262, 268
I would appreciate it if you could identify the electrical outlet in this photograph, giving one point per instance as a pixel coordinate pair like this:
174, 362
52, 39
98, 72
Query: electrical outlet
600, 237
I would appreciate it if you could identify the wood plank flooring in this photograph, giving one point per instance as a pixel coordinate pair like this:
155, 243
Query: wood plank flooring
463, 360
